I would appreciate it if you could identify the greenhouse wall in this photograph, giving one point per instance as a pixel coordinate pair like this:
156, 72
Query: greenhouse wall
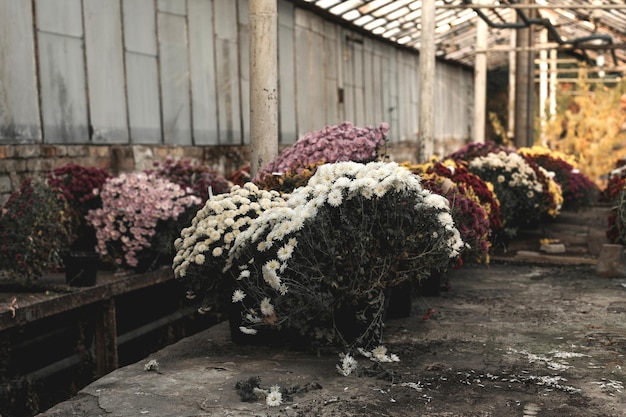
175, 73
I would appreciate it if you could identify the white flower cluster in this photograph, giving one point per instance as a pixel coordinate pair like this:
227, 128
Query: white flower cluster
331, 184
379, 354
348, 364
216, 226
273, 396
519, 173
273, 233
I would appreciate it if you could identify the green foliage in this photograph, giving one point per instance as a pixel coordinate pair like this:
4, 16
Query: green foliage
34, 231
591, 127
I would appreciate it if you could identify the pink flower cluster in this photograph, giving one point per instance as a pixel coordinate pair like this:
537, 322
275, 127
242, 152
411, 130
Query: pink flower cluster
132, 205
343, 142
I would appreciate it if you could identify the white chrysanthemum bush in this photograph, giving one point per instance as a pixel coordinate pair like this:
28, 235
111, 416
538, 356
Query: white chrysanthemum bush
202, 248
521, 194
319, 266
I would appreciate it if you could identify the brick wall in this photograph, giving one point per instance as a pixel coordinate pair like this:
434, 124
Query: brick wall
20, 161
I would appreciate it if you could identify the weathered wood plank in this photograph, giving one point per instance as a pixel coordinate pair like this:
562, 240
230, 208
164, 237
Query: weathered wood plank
359, 86
226, 21
178, 7
227, 71
309, 75
244, 67
380, 114
317, 73
373, 70
140, 26
174, 64
390, 97
331, 74
63, 17
105, 68
407, 97
348, 68
144, 111
286, 74
202, 66
19, 105
63, 95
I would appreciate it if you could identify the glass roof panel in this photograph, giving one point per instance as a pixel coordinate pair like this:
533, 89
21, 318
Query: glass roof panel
455, 26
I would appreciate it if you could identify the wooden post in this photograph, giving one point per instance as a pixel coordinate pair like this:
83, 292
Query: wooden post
480, 81
263, 83
524, 111
106, 339
512, 80
543, 86
426, 136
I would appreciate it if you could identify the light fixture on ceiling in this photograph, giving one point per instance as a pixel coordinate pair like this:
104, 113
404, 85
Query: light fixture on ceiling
600, 64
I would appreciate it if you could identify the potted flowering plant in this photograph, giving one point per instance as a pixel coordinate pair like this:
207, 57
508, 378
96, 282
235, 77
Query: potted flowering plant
578, 189
342, 142
77, 184
198, 178
516, 185
319, 266
203, 246
469, 184
469, 217
34, 231
475, 149
141, 215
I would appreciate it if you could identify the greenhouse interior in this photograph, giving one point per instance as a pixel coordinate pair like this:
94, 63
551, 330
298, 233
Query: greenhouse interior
312, 208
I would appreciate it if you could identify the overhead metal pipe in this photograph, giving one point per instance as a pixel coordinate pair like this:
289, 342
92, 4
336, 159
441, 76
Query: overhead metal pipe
524, 22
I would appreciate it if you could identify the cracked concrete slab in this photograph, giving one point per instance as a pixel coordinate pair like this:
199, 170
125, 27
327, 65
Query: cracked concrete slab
506, 340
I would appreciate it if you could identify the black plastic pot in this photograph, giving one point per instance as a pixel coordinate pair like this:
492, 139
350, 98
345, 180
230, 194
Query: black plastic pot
81, 268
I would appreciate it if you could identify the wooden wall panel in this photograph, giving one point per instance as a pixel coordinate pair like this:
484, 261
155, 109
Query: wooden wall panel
317, 69
347, 68
105, 71
19, 104
178, 7
202, 65
408, 104
181, 75
376, 106
358, 82
227, 73
331, 66
144, 111
63, 95
390, 96
174, 72
142, 74
63, 17
287, 119
244, 66
140, 26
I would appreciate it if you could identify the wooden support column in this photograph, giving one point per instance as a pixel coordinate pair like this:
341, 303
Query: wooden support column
263, 83
480, 81
524, 89
106, 339
543, 86
512, 80
426, 136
